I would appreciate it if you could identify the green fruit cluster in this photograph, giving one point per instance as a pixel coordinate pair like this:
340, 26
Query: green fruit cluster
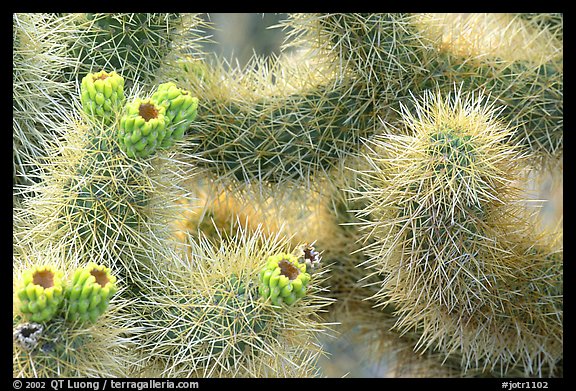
41, 294
102, 95
89, 295
181, 109
156, 122
283, 279
44, 291
142, 128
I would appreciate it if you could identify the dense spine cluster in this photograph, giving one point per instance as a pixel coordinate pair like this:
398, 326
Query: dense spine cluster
449, 238
204, 316
39, 60
134, 44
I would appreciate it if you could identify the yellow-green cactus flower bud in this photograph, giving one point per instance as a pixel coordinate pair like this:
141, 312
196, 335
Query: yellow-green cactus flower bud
89, 295
283, 279
181, 109
102, 95
142, 128
41, 293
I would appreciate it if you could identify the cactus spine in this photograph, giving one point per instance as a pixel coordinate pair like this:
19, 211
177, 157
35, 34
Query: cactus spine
39, 92
133, 44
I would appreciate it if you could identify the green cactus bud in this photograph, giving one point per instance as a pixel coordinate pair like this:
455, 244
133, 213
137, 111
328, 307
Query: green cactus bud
181, 109
142, 128
287, 279
102, 95
90, 293
41, 293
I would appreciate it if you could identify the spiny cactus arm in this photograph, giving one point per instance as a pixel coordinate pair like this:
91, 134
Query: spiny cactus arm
448, 231
95, 198
40, 58
205, 316
133, 44
391, 55
250, 130
519, 63
52, 52
379, 51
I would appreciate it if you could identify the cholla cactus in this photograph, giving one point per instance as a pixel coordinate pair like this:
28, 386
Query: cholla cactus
205, 317
56, 347
94, 198
133, 44
357, 142
443, 212
39, 59
493, 52
53, 52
